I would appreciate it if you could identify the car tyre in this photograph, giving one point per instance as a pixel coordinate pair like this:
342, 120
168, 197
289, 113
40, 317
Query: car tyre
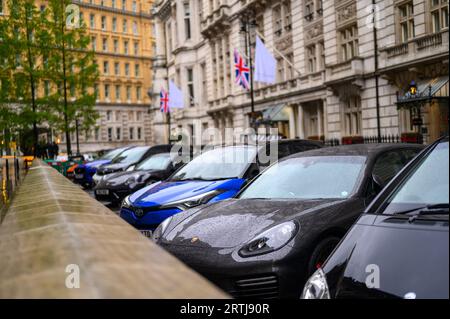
321, 252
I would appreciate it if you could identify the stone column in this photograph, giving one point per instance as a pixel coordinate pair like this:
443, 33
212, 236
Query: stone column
300, 121
319, 120
292, 126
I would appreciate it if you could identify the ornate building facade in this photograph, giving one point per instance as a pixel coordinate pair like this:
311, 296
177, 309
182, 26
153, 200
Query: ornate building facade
344, 66
122, 37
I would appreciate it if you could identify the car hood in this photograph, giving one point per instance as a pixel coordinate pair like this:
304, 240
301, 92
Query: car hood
114, 167
96, 164
234, 222
121, 177
410, 260
166, 192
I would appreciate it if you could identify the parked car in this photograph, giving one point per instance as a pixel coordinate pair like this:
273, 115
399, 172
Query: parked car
213, 176
128, 159
399, 248
115, 187
84, 173
267, 241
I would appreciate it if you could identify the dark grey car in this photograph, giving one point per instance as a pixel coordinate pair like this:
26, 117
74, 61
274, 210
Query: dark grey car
269, 239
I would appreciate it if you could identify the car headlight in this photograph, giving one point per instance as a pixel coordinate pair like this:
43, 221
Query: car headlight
316, 287
157, 234
270, 240
195, 200
126, 202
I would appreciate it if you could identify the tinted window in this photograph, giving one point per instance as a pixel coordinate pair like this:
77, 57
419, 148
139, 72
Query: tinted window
308, 178
388, 165
111, 154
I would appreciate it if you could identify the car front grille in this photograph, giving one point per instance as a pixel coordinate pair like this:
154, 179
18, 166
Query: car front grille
261, 287
79, 170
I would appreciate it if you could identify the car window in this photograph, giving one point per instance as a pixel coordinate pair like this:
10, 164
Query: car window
318, 177
427, 184
302, 147
409, 154
388, 165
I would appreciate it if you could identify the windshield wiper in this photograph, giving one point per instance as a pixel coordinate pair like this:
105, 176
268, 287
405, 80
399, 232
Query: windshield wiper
437, 209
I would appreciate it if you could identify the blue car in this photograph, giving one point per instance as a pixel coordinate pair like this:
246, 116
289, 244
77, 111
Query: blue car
215, 175
84, 172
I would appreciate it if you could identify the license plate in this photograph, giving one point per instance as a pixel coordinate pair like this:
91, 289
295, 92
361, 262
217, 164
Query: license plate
102, 191
79, 176
147, 233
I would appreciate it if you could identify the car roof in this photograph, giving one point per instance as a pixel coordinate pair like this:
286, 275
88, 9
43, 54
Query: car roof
356, 149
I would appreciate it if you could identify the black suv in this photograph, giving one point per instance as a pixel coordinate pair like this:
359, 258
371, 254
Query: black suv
400, 247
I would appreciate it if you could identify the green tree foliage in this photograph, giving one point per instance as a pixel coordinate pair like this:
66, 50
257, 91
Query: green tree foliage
47, 72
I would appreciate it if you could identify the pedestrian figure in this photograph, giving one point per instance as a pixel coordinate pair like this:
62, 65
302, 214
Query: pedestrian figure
55, 149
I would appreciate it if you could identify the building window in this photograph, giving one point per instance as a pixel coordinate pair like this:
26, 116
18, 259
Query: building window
134, 6
116, 45
139, 133
439, 15
105, 67
135, 28
352, 116
108, 116
124, 26
321, 53
137, 70
113, 3
110, 134
97, 134
138, 116
187, 20
287, 14
138, 93
190, 86
103, 23
136, 48
204, 84
348, 39
128, 93
125, 47
116, 68
117, 92
114, 24
406, 21
1, 6
311, 58
277, 21
105, 45
280, 70
131, 133
92, 21
118, 133
124, 4
106, 91
127, 69
94, 43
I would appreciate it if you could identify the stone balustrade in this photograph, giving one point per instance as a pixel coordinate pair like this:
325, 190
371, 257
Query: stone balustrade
54, 231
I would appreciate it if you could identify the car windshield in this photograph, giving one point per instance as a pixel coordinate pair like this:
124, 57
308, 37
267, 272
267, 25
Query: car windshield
318, 177
221, 163
111, 154
426, 186
130, 156
156, 162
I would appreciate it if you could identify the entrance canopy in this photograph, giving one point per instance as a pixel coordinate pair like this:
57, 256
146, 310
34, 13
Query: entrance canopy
427, 90
278, 113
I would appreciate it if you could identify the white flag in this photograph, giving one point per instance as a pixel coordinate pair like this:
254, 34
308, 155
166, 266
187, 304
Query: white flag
176, 98
265, 64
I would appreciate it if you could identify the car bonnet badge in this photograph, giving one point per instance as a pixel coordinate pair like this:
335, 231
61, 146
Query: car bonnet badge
194, 239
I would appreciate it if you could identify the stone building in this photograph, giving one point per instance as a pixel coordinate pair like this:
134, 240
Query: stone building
344, 66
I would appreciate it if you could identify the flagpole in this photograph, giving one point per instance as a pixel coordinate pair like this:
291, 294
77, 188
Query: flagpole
246, 29
168, 124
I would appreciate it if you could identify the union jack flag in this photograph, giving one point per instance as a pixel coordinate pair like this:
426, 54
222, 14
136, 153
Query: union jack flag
164, 104
242, 71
